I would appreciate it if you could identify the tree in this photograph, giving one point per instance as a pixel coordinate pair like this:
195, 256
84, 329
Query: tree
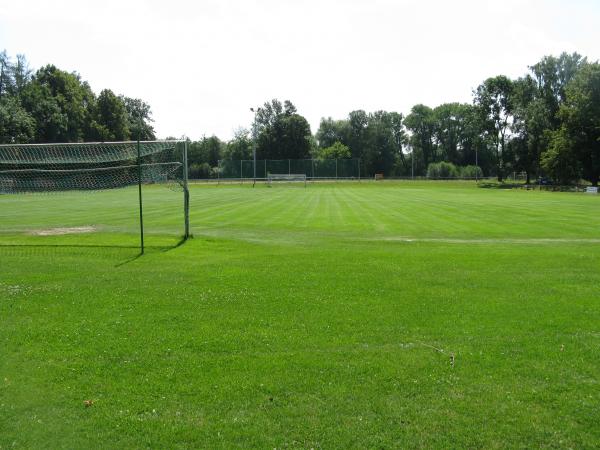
357, 133
552, 75
559, 161
420, 122
448, 121
494, 98
331, 131
208, 150
16, 124
335, 151
6, 79
51, 120
110, 118
382, 142
21, 74
138, 114
281, 132
577, 142
531, 122
240, 147
60, 103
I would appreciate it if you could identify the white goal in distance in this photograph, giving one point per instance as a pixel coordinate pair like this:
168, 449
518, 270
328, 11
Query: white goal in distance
286, 177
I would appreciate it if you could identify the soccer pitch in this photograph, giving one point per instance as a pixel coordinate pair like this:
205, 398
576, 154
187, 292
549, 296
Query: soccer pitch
343, 315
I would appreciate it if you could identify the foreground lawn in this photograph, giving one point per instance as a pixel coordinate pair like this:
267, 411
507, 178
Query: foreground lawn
337, 316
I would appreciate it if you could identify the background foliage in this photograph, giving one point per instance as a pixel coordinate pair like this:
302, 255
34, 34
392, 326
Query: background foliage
545, 124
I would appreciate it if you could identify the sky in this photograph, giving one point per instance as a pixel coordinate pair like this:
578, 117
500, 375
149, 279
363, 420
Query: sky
202, 64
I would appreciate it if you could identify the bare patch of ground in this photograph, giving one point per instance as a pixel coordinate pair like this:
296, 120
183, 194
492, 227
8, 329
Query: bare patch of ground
62, 230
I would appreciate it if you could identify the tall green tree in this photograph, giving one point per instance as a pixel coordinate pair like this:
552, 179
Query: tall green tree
331, 131
110, 119
139, 118
6, 79
281, 132
382, 142
207, 150
358, 121
59, 102
421, 123
448, 129
552, 75
240, 146
578, 139
21, 74
16, 124
559, 160
531, 124
494, 98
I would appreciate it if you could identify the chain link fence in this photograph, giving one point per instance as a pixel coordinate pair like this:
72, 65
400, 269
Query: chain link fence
312, 168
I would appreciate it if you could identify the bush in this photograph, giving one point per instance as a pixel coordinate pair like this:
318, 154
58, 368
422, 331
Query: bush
471, 172
442, 169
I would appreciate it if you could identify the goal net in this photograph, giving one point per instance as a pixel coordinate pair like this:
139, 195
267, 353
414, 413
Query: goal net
289, 177
111, 170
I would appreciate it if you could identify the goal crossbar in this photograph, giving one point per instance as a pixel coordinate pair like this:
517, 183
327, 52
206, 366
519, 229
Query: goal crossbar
290, 177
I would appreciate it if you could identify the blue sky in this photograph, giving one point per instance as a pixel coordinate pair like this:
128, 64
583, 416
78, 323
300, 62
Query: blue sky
202, 65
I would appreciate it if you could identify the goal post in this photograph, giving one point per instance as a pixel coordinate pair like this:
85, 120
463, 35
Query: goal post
97, 166
289, 177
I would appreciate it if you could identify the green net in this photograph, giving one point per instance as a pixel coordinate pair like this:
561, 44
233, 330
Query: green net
88, 166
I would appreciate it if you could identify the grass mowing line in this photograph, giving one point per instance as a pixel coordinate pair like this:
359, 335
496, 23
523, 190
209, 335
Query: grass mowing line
487, 241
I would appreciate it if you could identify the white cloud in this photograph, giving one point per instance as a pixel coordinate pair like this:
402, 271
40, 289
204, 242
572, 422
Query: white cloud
201, 65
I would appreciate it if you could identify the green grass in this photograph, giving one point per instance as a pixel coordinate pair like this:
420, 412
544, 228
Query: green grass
323, 317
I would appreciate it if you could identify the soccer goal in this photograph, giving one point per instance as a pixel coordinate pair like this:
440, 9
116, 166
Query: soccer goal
78, 168
286, 177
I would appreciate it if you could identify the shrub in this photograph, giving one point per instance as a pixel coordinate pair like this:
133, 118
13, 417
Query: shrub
442, 169
471, 172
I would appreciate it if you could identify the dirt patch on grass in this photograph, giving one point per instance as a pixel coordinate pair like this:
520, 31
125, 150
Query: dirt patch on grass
62, 230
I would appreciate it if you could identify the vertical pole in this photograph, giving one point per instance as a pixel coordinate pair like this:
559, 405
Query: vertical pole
289, 166
241, 171
254, 137
186, 192
265, 168
312, 165
336, 169
412, 165
139, 158
358, 169
476, 167
218, 172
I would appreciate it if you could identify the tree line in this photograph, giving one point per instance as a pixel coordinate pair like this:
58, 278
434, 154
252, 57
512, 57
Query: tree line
545, 123
52, 105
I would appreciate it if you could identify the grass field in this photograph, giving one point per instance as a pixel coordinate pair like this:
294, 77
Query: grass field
389, 315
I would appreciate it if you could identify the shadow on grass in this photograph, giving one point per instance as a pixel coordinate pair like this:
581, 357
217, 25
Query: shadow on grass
182, 240
179, 243
498, 185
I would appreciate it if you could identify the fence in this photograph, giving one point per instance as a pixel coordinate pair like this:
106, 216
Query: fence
312, 168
